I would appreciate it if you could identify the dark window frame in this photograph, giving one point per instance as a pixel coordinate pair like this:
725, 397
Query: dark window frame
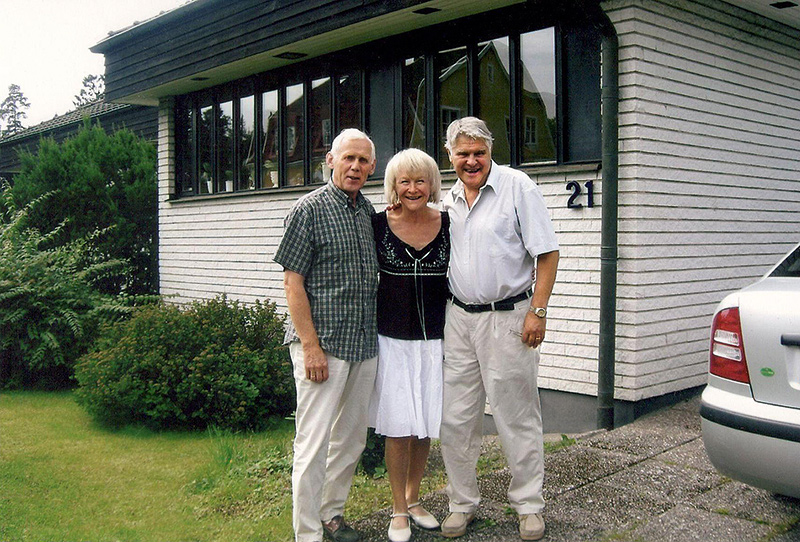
373, 72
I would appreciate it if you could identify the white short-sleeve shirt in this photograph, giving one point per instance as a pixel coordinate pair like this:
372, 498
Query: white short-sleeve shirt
493, 245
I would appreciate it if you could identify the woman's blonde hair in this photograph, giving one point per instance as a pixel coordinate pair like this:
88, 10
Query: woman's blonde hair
412, 163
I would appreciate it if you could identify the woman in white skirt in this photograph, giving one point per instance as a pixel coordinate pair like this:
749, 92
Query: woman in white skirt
413, 246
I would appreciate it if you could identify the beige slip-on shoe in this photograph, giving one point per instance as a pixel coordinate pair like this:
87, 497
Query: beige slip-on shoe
455, 524
531, 527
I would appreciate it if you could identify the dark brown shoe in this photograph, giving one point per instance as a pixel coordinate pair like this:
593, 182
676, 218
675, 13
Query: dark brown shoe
339, 531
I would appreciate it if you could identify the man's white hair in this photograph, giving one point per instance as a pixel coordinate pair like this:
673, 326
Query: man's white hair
349, 134
471, 127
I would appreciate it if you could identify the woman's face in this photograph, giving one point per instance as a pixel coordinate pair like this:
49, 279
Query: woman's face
413, 191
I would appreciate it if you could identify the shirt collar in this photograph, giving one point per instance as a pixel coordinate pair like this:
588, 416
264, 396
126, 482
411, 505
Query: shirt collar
343, 197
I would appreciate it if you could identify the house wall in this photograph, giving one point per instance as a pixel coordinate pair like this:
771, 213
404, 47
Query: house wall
709, 190
225, 245
709, 198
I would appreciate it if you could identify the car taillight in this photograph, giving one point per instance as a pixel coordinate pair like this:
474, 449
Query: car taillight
727, 347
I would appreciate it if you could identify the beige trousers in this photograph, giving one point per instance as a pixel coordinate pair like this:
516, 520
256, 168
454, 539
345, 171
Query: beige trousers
484, 357
330, 434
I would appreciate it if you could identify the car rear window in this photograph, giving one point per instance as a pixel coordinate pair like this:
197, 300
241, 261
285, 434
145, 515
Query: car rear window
789, 267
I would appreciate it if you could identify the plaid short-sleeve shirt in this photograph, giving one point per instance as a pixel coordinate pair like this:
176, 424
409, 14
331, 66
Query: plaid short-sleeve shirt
330, 243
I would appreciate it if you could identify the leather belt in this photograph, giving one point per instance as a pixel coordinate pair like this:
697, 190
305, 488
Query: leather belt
503, 305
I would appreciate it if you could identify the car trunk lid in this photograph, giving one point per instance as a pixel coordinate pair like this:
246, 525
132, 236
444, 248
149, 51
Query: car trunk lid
770, 318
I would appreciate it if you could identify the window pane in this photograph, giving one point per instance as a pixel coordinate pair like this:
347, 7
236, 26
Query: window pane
206, 154
320, 107
269, 136
451, 67
295, 122
494, 90
414, 103
184, 117
247, 141
538, 95
348, 98
225, 146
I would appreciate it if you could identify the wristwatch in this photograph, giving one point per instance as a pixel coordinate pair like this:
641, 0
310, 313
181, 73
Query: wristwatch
541, 312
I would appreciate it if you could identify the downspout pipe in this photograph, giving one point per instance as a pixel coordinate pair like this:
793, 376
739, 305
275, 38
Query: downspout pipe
610, 214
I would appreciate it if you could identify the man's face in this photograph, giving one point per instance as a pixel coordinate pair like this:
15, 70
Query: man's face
352, 166
472, 159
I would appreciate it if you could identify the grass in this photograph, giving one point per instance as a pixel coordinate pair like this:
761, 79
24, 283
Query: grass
64, 478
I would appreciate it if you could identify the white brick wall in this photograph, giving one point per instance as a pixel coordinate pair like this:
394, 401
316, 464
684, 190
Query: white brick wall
226, 244
709, 161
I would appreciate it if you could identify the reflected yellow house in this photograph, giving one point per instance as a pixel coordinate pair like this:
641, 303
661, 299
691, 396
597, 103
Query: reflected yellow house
537, 139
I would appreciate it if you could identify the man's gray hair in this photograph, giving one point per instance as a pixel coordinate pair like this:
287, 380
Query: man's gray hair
471, 127
349, 134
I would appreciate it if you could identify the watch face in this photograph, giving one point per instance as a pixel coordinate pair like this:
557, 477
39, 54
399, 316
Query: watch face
541, 313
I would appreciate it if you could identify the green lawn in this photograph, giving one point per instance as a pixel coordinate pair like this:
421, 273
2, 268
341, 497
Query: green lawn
63, 478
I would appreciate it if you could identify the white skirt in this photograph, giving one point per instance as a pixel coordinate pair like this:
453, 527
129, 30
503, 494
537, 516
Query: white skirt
407, 400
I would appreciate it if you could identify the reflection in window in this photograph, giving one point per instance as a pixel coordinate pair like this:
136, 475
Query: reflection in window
184, 125
225, 146
537, 53
451, 68
449, 114
414, 103
206, 149
295, 123
269, 138
247, 142
494, 92
320, 110
348, 102
530, 131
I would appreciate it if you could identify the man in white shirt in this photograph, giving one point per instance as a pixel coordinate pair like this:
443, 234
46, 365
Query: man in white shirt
501, 234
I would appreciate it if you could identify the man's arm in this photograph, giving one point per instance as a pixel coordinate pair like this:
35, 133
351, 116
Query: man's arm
533, 329
316, 363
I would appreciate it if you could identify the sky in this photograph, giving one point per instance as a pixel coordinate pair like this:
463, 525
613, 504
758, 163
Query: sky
44, 46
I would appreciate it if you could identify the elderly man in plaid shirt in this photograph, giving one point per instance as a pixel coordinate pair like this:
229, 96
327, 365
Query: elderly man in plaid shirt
331, 280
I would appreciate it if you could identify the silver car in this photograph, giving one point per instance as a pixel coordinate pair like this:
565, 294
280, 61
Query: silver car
750, 410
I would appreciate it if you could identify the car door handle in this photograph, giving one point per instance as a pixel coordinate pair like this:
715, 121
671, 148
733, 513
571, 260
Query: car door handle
790, 339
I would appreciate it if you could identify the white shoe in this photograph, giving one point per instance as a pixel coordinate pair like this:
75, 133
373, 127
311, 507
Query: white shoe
404, 533
425, 520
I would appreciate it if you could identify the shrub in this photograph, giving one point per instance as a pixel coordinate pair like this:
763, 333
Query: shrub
101, 180
49, 308
216, 363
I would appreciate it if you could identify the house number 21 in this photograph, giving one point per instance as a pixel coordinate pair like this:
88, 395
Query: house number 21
575, 188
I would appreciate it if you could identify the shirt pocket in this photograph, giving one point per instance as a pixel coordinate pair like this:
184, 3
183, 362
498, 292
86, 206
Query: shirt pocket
504, 232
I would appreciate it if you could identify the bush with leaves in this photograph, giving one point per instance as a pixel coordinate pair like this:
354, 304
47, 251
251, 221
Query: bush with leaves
216, 363
102, 180
49, 308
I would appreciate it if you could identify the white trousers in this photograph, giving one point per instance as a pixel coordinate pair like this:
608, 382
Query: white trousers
485, 357
330, 434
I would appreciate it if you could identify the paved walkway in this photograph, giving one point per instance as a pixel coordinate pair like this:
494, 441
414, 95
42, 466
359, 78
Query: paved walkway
649, 481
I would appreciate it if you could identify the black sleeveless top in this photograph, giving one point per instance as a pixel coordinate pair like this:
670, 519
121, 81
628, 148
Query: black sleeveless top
412, 292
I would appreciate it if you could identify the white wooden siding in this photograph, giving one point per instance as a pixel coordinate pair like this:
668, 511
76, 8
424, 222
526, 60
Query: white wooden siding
225, 245
709, 182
